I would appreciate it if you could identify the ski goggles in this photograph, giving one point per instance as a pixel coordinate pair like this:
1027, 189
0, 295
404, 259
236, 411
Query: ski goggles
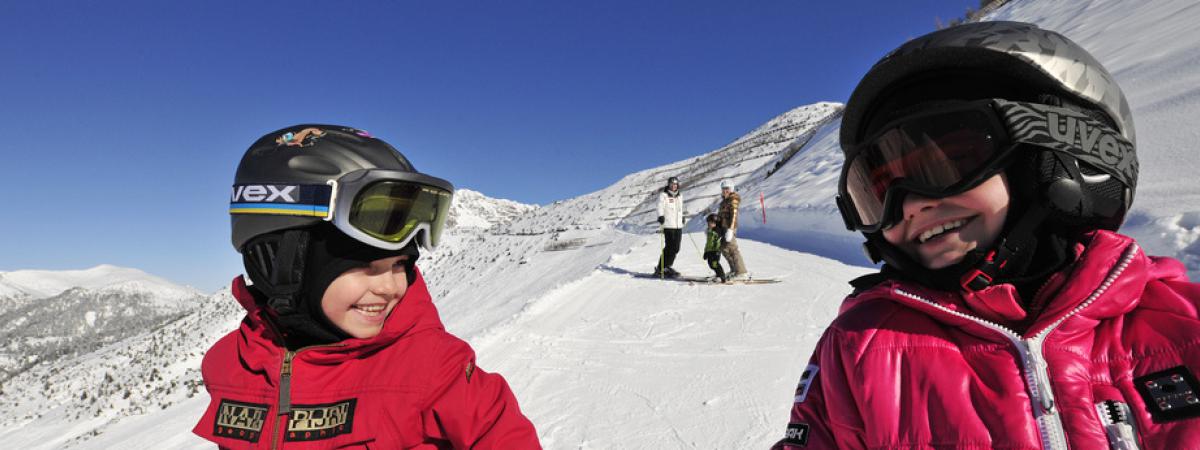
947, 151
382, 208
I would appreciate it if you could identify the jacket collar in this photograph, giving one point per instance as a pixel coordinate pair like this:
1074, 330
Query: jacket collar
1105, 254
260, 349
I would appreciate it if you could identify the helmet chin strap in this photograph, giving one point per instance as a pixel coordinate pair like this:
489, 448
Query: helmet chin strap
978, 269
283, 288
1013, 246
287, 275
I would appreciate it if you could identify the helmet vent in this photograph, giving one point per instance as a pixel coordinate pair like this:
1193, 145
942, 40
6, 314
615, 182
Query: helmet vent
314, 165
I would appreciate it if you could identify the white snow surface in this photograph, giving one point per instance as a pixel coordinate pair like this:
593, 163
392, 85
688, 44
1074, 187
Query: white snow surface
600, 359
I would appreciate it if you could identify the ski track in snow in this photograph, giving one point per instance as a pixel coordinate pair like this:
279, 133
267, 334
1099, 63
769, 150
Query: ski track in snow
682, 366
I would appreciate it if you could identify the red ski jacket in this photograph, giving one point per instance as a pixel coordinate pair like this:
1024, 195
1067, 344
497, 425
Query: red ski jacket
1107, 360
411, 386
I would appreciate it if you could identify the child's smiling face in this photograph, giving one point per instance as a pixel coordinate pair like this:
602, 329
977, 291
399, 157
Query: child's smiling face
939, 232
359, 300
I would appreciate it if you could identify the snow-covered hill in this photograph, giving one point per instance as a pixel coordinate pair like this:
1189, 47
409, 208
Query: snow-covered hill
600, 359
26, 284
157, 368
472, 209
630, 202
57, 314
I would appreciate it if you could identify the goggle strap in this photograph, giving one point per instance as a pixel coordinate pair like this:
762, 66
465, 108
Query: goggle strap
308, 200
1073, 133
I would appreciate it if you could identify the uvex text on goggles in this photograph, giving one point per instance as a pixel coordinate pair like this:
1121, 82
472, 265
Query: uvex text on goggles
947, 151
381, 208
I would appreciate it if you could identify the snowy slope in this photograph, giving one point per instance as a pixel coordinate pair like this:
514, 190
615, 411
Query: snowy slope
613, 362
600, 359
75, 399
631, 201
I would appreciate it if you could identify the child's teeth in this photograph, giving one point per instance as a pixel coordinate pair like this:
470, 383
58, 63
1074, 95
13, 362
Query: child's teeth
371, 309
939, 230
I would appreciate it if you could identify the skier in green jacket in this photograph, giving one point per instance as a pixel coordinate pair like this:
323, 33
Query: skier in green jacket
712, 246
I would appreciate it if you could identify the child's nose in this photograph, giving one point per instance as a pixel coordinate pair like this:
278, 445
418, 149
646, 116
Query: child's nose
915, 203
384, 284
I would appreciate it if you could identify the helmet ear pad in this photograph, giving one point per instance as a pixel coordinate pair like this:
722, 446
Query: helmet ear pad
1077, 195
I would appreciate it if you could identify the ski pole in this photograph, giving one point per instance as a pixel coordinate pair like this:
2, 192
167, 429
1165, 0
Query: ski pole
662, 247
693, 241
763, 203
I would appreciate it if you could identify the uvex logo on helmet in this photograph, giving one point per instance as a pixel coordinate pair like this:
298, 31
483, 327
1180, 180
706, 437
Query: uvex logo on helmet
268, 193
1101, 142
1073, 133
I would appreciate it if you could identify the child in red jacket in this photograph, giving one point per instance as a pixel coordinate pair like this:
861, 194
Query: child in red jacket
988, 166
341, 346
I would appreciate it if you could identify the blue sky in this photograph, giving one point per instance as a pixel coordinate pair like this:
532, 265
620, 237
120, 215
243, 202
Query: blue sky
122, 122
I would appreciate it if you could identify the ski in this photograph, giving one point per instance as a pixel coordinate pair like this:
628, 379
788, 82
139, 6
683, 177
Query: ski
704, 280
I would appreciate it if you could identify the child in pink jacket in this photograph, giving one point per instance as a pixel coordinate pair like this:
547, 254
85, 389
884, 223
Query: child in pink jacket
989, 166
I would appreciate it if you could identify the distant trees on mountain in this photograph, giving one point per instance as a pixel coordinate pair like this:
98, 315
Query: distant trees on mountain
972, 14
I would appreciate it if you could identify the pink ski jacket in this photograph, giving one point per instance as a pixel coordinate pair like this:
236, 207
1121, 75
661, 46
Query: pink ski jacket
1108, 359
411, 386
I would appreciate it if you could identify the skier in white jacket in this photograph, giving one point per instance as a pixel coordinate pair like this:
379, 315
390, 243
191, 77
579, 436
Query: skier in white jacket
671, 220
670, 217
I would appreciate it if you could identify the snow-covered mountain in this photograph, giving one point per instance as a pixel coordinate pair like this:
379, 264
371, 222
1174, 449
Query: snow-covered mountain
630, 202
56, 314
153, 369
26, 284
472, 209
601, 359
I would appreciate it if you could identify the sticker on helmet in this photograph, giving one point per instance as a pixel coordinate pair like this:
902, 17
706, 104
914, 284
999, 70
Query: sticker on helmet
358, 132
304, 138
806, 380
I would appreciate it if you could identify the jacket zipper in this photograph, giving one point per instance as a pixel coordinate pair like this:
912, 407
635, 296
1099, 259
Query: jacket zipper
1037, 376
1118, 425
285, 392
285, 397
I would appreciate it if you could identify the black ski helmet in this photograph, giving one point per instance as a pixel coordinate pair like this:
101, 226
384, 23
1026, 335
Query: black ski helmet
1012, 61
306, 154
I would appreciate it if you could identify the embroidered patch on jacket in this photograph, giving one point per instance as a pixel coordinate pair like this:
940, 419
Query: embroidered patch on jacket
1171, 394
316, 422
806, 380
239, 420
797, 434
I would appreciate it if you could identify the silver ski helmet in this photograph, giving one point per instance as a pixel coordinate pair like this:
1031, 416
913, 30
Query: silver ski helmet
1011, 61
